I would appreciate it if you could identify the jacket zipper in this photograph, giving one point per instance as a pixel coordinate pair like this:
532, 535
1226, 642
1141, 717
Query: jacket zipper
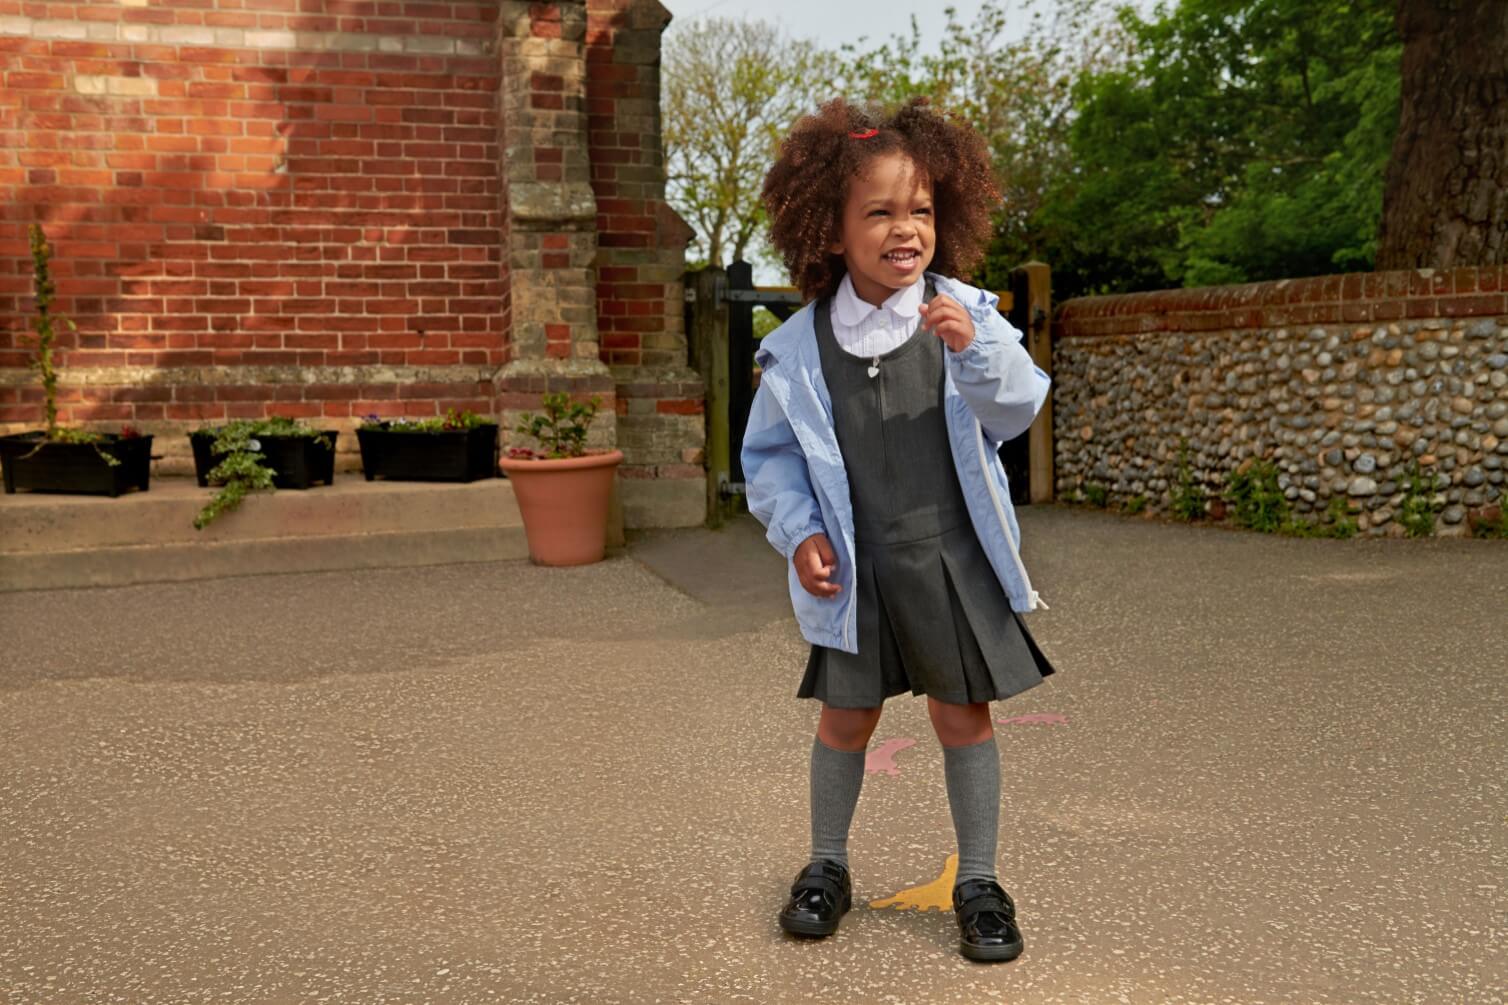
1034, 600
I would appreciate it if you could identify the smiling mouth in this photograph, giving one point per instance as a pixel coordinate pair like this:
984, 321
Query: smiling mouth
902, 256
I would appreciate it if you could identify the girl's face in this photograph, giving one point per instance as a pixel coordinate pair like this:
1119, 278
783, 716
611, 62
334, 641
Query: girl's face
887, 235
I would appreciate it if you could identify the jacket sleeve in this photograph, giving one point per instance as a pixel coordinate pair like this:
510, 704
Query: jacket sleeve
995, 374
776, 479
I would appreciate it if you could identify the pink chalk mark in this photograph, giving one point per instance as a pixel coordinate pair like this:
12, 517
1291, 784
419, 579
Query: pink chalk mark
882, 758
1035, 719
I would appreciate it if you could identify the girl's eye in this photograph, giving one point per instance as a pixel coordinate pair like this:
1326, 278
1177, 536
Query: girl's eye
878, 212
924, 211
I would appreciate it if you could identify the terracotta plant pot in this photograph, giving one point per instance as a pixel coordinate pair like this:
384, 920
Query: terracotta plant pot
564, 503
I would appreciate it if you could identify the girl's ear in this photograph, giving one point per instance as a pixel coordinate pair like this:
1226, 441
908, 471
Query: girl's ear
836, 248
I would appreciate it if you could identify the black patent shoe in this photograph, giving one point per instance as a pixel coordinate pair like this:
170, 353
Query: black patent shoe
820, 896
986, 921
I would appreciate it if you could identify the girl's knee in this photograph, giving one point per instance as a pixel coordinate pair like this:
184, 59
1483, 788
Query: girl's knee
960, 725
847, 728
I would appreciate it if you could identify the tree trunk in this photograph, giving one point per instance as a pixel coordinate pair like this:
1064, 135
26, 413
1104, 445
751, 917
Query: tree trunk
1445, 196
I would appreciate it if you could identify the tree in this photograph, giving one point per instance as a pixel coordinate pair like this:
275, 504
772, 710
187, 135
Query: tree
1246, 140
1446, 198
732, 89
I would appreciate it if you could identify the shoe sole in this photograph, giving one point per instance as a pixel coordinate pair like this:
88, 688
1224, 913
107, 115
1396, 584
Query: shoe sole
813, 929
993, 954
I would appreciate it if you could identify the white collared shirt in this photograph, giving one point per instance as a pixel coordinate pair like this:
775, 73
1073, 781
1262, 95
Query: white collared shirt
862, 329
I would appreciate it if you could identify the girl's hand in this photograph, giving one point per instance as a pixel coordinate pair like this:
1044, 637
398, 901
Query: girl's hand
815, 565
946, 318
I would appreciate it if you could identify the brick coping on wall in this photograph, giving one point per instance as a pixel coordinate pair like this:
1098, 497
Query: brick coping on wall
1359, 297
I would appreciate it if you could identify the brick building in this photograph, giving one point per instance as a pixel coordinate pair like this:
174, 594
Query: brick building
329, 208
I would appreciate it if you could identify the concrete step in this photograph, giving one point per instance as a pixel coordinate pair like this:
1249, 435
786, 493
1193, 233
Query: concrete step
49, 541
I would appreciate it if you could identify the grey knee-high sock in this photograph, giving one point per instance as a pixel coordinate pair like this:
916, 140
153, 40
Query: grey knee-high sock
837, 776
973, 774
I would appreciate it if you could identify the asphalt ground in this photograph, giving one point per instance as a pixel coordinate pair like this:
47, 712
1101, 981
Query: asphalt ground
1269, 770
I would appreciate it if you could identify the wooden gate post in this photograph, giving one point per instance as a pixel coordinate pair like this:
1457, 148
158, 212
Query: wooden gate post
709, 355
1039, 345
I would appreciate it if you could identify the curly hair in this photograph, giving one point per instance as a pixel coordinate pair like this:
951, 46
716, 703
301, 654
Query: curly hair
805, 190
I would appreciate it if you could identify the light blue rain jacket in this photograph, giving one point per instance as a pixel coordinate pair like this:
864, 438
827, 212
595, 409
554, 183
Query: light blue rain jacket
793, 470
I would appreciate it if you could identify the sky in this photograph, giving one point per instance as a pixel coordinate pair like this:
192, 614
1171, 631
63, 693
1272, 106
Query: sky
831, 21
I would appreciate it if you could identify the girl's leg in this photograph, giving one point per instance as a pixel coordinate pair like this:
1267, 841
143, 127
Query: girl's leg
837, 774
971, 763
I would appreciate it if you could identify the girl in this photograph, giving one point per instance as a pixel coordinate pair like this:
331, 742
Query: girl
871, 457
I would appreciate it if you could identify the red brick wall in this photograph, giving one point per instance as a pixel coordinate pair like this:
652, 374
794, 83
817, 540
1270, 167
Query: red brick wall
297, 196
1357, 297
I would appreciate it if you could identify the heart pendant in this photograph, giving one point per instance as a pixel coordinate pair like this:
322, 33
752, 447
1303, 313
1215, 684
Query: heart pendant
874, 371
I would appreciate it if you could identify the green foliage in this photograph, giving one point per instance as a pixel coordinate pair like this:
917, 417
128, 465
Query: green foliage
449, 422
1187, 497
239, 430
243, 468
1341, 523
562, 428
1246, 140
1136, 504
1096, 495
764, 322
240, 473
61, 435
1203, 141
1256, 500
42, 325
731, 90
1491, 527
1337, 522
1416, 514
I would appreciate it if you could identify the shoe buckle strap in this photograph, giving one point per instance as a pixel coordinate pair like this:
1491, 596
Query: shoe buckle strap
816, 881
988, 901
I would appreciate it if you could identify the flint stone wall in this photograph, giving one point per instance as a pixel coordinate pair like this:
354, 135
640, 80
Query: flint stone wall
1343, 382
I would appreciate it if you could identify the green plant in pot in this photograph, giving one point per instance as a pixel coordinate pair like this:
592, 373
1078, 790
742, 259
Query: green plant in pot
59, 459
563, 489
454, 447
250, 455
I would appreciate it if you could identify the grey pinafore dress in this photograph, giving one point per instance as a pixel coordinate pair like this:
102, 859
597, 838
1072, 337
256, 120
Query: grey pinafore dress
932, 618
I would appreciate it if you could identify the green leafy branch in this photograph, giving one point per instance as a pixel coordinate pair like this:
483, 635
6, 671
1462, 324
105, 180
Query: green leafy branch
42, 325
243, 469
1187, 497
562, 428
1256, 499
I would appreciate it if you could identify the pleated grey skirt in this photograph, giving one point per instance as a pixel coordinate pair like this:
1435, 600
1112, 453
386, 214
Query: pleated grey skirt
932, 619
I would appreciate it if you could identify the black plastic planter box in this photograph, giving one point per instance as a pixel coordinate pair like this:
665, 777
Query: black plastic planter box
296, 461
450, 455
76, 468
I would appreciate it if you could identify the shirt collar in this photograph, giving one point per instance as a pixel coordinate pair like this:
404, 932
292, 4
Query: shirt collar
852, 310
